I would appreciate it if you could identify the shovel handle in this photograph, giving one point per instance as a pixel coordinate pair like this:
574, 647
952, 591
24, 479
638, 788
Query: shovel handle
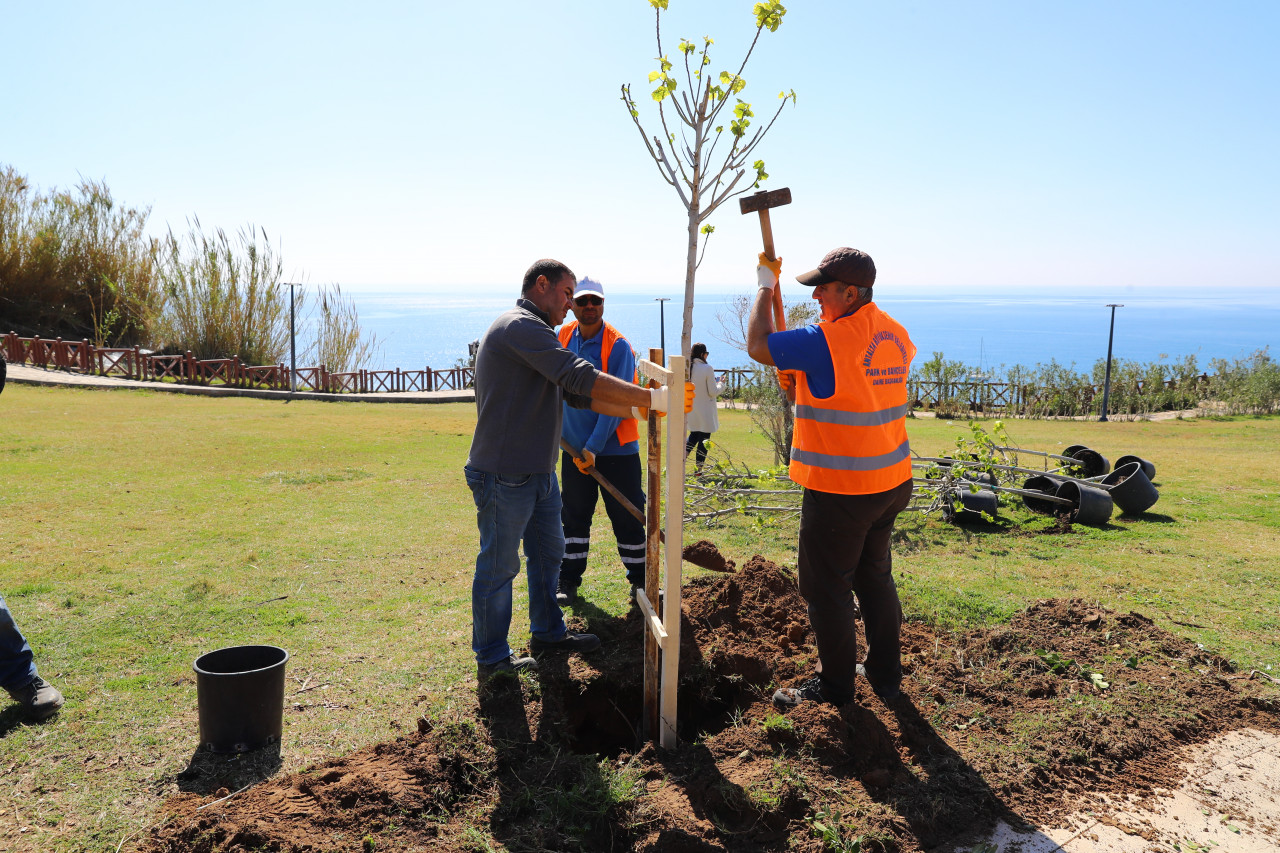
609, 487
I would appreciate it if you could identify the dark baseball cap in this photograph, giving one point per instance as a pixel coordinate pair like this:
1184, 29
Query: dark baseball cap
850, 266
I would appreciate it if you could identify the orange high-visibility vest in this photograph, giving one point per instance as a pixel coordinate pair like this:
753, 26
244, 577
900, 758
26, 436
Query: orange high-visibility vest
855, 441
627, 431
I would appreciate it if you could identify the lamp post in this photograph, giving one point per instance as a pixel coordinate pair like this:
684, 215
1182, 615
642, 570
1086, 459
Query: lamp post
662, 323
1106, 382
293, 349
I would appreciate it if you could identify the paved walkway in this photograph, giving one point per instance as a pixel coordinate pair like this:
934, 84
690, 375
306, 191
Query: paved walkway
26, 375
1227, 802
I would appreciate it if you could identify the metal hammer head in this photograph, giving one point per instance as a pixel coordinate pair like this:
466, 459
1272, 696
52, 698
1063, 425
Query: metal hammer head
764, 200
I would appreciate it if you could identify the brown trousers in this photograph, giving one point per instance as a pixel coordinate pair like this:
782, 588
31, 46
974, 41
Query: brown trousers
844, 551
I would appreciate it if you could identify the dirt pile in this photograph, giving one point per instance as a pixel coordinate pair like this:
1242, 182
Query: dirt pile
1018, 722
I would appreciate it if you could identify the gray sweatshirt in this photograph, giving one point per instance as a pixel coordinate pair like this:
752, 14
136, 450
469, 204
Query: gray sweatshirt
522, 374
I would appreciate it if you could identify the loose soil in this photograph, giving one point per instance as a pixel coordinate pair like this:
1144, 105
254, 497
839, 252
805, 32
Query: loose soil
1024, 723
707, 555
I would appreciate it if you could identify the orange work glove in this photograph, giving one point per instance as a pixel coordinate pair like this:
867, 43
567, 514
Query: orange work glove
768, 272
587, 461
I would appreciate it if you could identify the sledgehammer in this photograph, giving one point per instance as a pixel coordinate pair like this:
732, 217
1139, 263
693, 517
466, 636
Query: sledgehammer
760, 203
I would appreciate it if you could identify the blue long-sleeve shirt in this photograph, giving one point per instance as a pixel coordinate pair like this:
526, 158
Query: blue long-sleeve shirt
583, 428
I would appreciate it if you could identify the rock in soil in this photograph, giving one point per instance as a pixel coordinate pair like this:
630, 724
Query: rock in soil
1001, 724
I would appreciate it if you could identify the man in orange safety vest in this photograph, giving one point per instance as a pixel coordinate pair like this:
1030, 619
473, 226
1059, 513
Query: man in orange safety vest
611, 444
849, 451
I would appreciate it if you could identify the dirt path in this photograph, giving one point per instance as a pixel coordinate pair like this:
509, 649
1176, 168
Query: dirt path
1006, 727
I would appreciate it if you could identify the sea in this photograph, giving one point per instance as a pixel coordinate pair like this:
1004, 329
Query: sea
984, 331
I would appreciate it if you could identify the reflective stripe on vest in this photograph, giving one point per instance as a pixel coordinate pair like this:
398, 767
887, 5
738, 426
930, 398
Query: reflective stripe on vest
627, 430
855, 441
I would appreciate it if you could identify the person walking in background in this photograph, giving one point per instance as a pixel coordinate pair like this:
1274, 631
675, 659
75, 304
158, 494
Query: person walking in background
610, 444
705, 418
850, 453
18, 675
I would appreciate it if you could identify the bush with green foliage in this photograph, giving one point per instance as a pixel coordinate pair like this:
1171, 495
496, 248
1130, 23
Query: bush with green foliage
76, 264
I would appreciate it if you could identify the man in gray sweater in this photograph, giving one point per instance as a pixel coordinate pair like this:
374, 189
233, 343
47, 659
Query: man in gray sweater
522, 377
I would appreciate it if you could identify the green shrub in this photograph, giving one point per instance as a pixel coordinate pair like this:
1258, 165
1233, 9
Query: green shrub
76, 264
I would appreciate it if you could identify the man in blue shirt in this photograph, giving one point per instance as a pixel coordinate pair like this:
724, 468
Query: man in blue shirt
611, 444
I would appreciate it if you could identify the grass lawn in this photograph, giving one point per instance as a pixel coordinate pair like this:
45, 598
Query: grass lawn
139, 530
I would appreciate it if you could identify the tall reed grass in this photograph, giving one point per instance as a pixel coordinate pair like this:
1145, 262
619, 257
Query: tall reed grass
77, 264
224, 295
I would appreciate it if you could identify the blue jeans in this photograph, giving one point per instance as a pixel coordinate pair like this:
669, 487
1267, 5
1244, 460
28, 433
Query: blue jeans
511, 508
17, 667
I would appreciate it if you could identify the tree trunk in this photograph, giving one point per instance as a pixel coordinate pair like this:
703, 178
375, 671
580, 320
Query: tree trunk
691, 269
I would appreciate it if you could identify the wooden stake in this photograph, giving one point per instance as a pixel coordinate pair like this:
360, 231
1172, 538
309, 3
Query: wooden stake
653, 526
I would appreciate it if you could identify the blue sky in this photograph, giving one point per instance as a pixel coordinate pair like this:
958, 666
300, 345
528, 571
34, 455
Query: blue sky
404, 146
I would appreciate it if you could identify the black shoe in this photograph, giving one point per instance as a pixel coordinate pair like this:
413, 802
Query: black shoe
657, 605
39, 698
572, 642
511, 663
811, 691
566, 593
886, 692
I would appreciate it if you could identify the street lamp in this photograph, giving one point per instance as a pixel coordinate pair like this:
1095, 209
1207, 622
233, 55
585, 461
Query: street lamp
662, 323
1106, 382
293, 349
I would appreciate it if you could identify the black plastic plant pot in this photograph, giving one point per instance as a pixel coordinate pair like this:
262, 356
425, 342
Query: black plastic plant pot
1130, 488
1148, 468
1090, 505
974, 505
240, 691
1092, 463
1070, 449
1045, 484
982, 478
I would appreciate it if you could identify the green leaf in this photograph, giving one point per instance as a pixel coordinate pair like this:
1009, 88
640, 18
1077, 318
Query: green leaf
768, 15
686, 47
1131, 662
659, 4
1098, 681
660, 93
708, 229
654, 75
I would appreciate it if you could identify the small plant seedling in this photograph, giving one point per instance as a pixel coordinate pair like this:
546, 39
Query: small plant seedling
777, 723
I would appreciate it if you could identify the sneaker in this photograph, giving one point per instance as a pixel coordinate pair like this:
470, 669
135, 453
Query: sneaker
886, 692
811, 691
39, 698
511, 663
566, 593
571, 642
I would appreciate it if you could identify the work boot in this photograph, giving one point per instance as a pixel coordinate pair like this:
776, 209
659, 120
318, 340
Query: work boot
887, 692
571, 642
40, 699
566, 592
511, 663
812, 690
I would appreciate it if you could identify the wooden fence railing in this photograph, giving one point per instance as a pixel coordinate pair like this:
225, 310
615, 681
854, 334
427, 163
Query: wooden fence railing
185, 368
960, 397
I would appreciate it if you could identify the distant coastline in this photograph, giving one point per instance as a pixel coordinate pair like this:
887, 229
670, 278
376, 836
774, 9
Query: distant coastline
980, 328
